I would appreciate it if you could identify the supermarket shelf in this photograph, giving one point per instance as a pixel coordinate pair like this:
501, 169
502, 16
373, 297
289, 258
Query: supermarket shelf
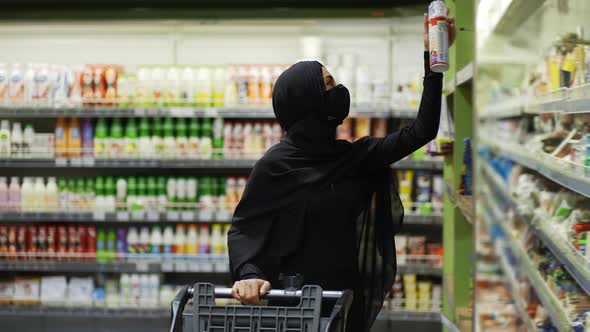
240, 112
550, 302
464, 75
566, 174
409, 315
519, 303
227, 164
464, 203
508, 108
214, 268
448, 323
48, 311
404, 113
414, 219
116, 217
420, 269
576, 264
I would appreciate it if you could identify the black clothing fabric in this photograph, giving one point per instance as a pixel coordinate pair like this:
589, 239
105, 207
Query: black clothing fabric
326, 208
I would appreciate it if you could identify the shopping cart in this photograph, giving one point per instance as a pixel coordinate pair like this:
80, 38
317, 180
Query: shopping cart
202, 315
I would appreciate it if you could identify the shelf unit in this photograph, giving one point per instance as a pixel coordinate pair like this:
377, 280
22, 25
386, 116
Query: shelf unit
571, 258
82, 312
410, 315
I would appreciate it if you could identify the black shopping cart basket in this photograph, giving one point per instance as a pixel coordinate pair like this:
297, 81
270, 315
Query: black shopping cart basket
202, 315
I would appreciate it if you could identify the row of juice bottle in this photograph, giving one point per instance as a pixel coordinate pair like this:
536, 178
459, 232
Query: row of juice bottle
108, 85
88, 243
111, 194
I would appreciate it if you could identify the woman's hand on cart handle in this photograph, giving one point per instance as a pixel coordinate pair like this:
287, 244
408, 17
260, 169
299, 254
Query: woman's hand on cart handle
249, 291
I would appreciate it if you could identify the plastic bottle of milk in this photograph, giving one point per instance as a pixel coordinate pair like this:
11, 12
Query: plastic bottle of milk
3, 194
204, 240
154, 290
14, 194
29, 84
168, 242
181, 193
15, 84
216, 240
51, 200
180, 245
192, 240
156, 242
28, 149
27, 195
144, 241
5, 139
3, 82
132, 242
144, 290
121, 194
125, 289
40, 203
16, 140
135, 292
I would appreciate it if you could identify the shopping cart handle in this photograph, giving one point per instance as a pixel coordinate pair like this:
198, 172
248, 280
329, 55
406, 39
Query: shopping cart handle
178, 306
273, 294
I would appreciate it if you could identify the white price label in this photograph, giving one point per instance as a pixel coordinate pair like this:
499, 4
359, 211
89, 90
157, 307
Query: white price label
76, 162
181, 266
224, 215
206, 267
139, 111
142, 266
122, 216
137, 215
181, 111
211, 112
61, 162
153, 216
99, 215
206, 215
172, 216
88, 161
188, 216
167, 267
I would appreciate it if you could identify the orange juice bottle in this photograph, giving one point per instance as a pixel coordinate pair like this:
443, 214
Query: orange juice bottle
74, 139
61, 142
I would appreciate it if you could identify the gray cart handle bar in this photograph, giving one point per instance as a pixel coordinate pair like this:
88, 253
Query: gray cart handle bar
273, 294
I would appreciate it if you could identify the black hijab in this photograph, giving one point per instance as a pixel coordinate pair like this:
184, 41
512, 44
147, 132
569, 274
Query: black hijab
268, 222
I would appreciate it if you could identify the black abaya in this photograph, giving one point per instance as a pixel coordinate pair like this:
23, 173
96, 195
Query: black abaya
324, 208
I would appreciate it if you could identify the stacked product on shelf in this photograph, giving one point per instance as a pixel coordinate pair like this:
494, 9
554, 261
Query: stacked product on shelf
415, 249
421, 192
413, 293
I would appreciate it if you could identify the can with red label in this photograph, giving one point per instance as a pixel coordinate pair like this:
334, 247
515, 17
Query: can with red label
62, 242
51, 242
27, 241
438, 34
91, 242
73, 242
42, 242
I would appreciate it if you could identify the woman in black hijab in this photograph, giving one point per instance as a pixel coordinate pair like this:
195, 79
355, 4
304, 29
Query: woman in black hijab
324, 208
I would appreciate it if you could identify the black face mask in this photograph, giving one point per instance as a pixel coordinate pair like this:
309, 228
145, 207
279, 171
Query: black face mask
337, 103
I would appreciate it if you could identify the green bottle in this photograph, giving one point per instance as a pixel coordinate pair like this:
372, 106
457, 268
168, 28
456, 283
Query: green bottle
194, 131
111, 247
99, 198
100, 246
72, 198
131, 193
181, 139
101, 139
206, 145
157, 137
141, 194
221, 182
205, 197
162, 199
218, 138
117, 143
152, 193
169, 144
89, 194
81, 194
144, 143
131, 135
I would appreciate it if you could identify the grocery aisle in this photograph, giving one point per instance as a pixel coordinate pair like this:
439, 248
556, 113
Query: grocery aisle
533, 174
124, 153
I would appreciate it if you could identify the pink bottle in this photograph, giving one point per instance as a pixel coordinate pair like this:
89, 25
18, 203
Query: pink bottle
14, 194
3, 194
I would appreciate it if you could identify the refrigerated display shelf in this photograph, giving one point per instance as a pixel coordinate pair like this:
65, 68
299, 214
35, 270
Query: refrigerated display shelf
519, 303
576, 264
217, 164
420, 269
550, 302
566, 174
116, 217
238, 112
409, 315
49, 311
213, 268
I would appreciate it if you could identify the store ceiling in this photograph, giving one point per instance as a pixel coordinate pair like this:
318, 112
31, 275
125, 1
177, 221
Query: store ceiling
205, 9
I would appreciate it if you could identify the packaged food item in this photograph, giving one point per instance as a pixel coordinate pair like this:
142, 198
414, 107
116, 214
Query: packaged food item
242, 85
218, 89
16, 88
29, 86
80, 291
401, 248
41, 85
406, 179
438, 35
155, 96
172, 88
110, 84
204, 87
26, 290
87, 84
53, 290
416, 247
423, 190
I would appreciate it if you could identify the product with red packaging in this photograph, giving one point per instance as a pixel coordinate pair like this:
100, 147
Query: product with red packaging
87, 85
62, 241
42, 242
73, 240
29, 243
99, 83
91, 242
3, 241
51, 241
12, 243
82, 243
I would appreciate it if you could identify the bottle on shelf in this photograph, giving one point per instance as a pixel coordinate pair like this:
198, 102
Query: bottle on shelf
168, 242
74, 139
125, 290
206, 144
204, 240
80, 201
131, 193
61, 142
29, 84
101, 139
162, 200
121, 194
135, 293
156, 241
121, 243
39, 195
217, 142
87, 138
62, 194
171, 194
132, 242
131, 150
5, 139
181, 193
180, 245
117, 145
191, 193
51, 195
192, 240
181, 139
4, 206
169, 142
217, 245
140, 200
144, 247
111, 247
110, 199
193, 138
100, 199
28, 139
89, 194
157, 139
205, 194
101, 246
72, 199
151, 200
14, 195
16, 140
145, 139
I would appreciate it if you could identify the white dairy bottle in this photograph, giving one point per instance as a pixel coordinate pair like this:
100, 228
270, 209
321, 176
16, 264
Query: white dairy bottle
27, 149
40, 203
16, 140
27, 195
14, 194
3, 194
51, 200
